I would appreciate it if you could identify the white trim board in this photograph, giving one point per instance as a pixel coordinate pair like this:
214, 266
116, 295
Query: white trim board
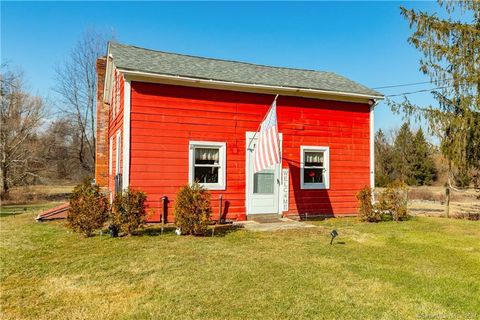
126, 135
110, 156
247, 87
118, 143
372, 146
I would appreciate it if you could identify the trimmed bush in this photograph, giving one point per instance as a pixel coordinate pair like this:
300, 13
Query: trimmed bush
366, 208
192, 209
88, 209
393, 201
128, 211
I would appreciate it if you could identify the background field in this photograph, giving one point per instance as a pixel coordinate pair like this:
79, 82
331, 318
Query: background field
430, 201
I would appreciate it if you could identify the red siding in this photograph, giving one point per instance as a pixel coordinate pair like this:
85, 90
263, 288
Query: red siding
165, 118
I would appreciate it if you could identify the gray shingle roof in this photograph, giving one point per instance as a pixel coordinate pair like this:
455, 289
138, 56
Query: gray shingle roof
139, 59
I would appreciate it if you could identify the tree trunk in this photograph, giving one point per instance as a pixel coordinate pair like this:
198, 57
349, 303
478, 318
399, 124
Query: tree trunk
5, 187
447, 191
447, 201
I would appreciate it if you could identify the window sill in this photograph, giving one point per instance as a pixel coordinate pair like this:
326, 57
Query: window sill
212, 187
315, 186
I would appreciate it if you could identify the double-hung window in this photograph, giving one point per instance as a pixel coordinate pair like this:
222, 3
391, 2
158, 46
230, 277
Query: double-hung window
207, 164
314, 167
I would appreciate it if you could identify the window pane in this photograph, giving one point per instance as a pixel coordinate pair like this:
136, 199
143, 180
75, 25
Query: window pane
264, 182
312, 175
206, 174
207, 155
314, 159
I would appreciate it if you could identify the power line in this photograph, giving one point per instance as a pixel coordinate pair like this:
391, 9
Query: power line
413, 92
410, 84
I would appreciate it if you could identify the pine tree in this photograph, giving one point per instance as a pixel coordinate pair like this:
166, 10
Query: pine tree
403, 155
383, 160
451, 56
422, 167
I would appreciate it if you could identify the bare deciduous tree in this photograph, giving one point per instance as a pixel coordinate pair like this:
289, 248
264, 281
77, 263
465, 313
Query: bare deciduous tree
76, 84
58, 148
21, 116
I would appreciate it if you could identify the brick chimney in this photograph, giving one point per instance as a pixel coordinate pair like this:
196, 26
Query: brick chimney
101, 148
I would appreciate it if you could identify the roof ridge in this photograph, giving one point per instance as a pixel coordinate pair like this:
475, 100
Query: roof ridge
219, 59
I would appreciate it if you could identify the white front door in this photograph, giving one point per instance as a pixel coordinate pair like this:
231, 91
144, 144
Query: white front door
262, 188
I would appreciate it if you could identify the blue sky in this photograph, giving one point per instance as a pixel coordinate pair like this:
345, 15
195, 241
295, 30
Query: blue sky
364, 41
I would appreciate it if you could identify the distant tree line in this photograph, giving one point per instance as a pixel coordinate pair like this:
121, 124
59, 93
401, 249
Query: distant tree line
406, 156
43, 142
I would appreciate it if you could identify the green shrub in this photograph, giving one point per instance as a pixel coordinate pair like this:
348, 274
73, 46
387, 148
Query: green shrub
393, 201
88, 209
128, 211
463, 178
366, 208
192, 209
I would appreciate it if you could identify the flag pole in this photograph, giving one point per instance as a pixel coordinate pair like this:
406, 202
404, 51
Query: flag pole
251, 140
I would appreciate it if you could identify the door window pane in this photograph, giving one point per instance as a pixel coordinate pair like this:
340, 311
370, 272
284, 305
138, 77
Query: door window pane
264, 182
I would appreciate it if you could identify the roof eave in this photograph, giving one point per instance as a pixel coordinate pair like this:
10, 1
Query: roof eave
136, 75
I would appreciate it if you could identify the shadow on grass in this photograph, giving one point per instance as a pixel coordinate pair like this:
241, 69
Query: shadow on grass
155, 230
213, 230
389, 217
223, 229
5, 212
14, 210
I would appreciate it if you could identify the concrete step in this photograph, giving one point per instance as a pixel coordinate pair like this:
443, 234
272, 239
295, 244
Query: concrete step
264, 218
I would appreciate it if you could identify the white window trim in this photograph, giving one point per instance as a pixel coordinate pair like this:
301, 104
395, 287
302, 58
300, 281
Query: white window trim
222, 172
326, 183
110, 156
117, 152
372, 148
126, 134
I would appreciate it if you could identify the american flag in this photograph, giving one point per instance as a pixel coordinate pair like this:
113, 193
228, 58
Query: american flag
267, 150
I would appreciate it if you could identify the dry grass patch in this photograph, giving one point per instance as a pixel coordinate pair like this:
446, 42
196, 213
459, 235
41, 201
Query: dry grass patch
38, 194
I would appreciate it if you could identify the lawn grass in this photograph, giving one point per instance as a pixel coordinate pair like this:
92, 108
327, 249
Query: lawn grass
422, 268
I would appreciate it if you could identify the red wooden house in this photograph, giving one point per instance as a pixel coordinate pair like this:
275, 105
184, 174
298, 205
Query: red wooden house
165, 120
